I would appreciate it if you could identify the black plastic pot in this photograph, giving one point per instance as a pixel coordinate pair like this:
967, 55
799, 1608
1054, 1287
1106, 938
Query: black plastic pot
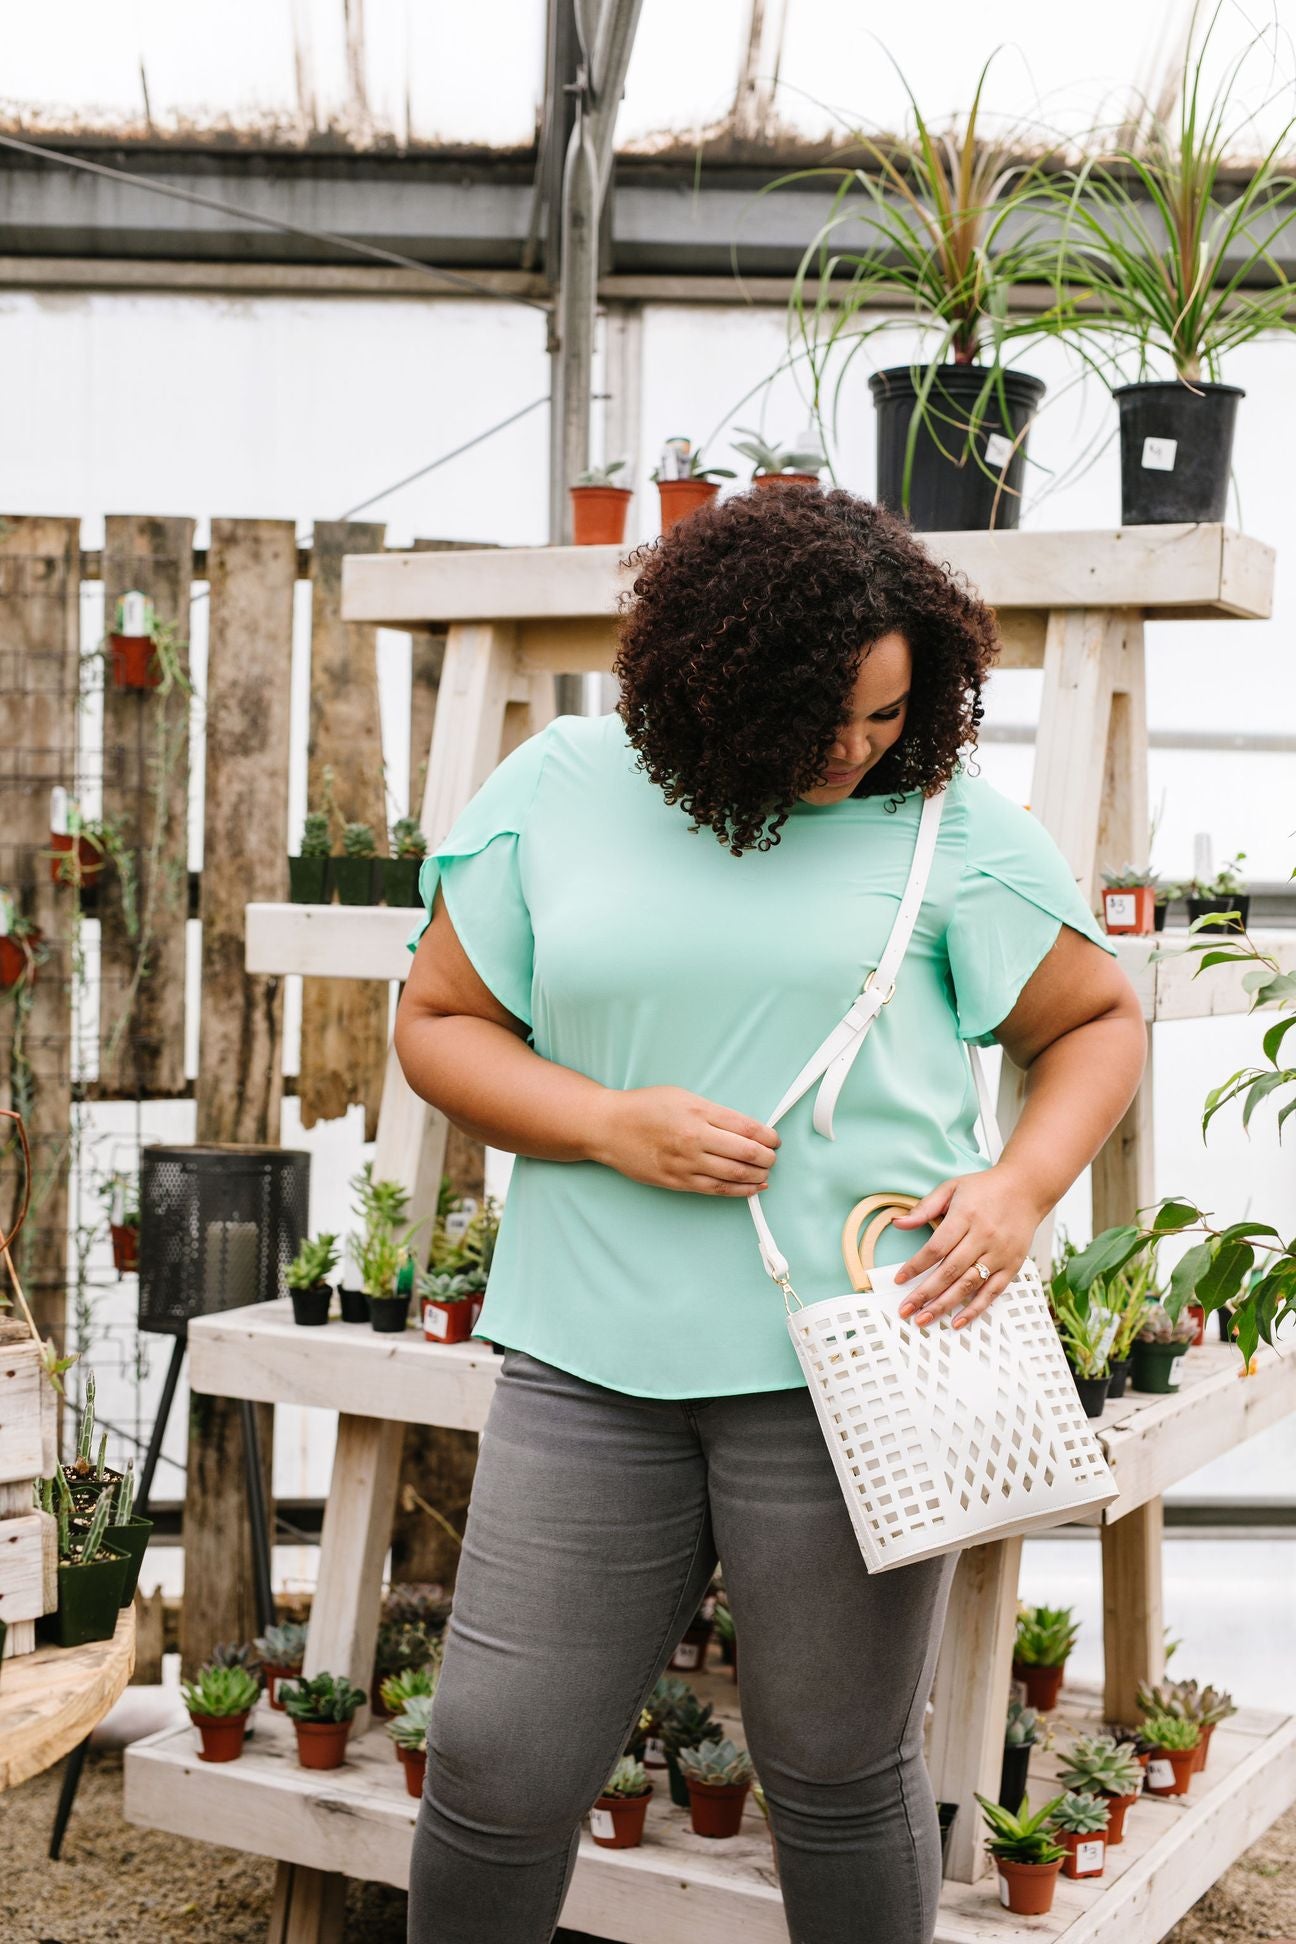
951, 494
400, 876
1093, 1393
1203, 907
1119, 1373
1012, 1776
89, 1599
1176, 447
389, 1313
311, 1306
132, 1539
946, 1812
308, 879
355, 1305
353, 879
679, 1794
1159, 912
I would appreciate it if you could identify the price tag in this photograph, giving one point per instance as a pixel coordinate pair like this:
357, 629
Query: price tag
1175, 1372
1159, 455
1003, 1891
686, 1654
435, 1321
1120, 907
601, 1823
1089, 1857
654, 1753
1160, 1774
998, 449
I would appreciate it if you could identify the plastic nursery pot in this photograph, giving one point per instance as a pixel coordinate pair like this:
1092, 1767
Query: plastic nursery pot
90, 859
414, 1763
389, 1314
1014, 1774
1204, 907
1086, 1856
1156, 1366
1170, 1771
717, 1807
1043, 1685
447, 1322
1118, 1807
1093, 1393
946, 1813
767, 481
308, 879
1129, 911
15, 963
475, 1303
134, 662
355, 1305
400, 876
675, 1782
1116, 1380
89, 1599
1160, 913
679, 498
222, 1736
131, 1539
311, 1306
946, 496
690, 1653
1202, 1749
322, 1744
1027, 1888
1197, 1311
617, 1822
125, 1247
599, 515
1176, 450
273, 1676
353, 879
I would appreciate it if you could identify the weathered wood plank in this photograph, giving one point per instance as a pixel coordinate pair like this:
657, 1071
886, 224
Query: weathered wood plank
1133, 1610
344, 1024
52, 1698
146, 789
970, 1694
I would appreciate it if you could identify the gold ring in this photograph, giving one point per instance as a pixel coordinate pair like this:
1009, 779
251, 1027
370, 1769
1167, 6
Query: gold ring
982, 1271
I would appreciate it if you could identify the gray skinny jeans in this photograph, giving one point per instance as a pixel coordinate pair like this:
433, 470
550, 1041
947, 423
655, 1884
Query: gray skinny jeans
594, 1528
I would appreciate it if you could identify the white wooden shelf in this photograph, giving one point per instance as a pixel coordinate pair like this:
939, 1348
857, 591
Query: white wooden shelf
368, 942
358, 1820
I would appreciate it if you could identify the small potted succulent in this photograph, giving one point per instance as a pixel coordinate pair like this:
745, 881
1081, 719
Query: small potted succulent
646, 1743
718, 1775
308, 872
20, 945
399, 1689
409, 1731
381, 1251
777, 466
87, 1476
407, 1661
1206, 1706
1224, 896
1080, 1824
617, 1818
1173, 1760
306, 1279
353, 872
690, 1652
1096, 1765
129, 1532
351, 1296
322, 1710
132, 655
1161, 1342
686, 1724
282, 1650
599, 507
120, 1196
1027, 1856
91, 1569
400, 871
219, 1700
683, 482
447, 1301
1045, 1637
1020, 1736
1129, 901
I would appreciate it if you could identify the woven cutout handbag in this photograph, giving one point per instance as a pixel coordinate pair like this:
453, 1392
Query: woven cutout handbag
940, 1438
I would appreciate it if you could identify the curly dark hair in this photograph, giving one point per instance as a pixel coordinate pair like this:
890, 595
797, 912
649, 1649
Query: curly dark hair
742, 638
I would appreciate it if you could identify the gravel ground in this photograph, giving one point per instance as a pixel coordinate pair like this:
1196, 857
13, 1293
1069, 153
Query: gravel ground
116, 1884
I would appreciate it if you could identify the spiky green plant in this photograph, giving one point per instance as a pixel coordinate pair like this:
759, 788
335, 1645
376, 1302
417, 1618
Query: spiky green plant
410, 1728
724, 1622
76, 1549
411, 1683
314, 1260
1171, 1732
599, 475
1097, 1765
716, 1763
443, 1286
627, 1779
1080, 1814
124, 1500
315, 840
767, 458
283, 1645
325, 1697
220, 1691
1024, 1837
86, 1430
358, 840
1045, 1635
407, 840
1186, 1700
1019, 1729
237, 1653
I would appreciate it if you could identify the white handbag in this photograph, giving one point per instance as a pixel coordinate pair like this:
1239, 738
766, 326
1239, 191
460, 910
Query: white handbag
940, 1438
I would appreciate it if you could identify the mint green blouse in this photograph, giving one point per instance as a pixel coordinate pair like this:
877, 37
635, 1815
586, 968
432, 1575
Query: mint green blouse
644, 954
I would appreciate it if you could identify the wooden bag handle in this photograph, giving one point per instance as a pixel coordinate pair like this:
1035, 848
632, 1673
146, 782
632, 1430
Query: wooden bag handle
858, 1250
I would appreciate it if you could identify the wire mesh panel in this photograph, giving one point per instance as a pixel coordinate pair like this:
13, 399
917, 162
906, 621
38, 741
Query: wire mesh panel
218, 1227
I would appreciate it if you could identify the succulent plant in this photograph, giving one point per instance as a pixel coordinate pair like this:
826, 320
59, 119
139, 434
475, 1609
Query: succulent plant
1187, 1701
421, 1603
283, 1646
599, 475
688, 1724
1022, 1838
767, 458
236, 1653
124, 1498
716, 1763
410, 1728
220, 1691
724, 1621
1080, 1815
411, 1683
1171, 1732
1158, 1326
325, 1697
312, 1263
1045, 1635
358, 840
1019, 1729
627, 1779
1100, 1766
82, 1549
315, 834
407, 840
403, 1646
444, 1286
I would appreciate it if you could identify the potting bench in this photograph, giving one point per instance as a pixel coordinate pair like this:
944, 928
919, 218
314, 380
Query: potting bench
1074, 604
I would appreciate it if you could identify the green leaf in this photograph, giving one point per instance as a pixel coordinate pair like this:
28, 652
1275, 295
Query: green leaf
1184, 1277
1222, 1281
1259, 1090
1247, 1231
1247, 1330
1274, 1038
1174, 1215
1110, 1250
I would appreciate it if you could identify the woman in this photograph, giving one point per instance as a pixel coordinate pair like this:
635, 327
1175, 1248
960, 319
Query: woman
641, 927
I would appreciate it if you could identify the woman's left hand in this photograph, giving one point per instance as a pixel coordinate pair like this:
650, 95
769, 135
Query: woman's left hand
985, 1217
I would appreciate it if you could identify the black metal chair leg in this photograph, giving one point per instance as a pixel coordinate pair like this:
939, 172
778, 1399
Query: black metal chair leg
67, 1796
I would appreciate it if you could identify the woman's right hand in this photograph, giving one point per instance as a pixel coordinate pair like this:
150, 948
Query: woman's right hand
667, 1137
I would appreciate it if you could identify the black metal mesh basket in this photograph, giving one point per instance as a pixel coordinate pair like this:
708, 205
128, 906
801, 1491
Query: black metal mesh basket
218, 1227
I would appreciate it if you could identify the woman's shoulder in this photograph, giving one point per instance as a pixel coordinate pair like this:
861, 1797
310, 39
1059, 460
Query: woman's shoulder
995, 832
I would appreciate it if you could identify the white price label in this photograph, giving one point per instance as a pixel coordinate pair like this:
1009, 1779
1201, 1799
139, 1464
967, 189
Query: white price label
1120, 907
1089, 1857
999, 450
1175, 1372
1003, 1891
435, 1321
654, 1753
601, 1823
686, 1654
1160, 1774
1159, 455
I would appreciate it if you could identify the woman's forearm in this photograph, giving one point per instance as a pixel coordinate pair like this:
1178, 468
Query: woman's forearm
1077, 1089
489, 1082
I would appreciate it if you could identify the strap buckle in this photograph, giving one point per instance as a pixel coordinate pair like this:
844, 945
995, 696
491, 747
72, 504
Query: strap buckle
888, 995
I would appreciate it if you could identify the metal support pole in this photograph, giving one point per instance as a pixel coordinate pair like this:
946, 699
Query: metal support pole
262, 1593
154, 1452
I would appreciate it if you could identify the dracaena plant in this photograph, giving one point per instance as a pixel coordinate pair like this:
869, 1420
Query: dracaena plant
1045, 1635
1024, 1837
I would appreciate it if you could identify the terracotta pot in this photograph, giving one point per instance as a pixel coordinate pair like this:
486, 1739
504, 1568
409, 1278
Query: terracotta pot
717, 1807
680, 497
690, 1653
91, 859
1202, 1749
599, 515
617, 1822
1027, 1888
222, 1736
447, 1322
125, 1247
1170, 1770
1043, 1685
414, 1763
1197, 1311
1118, 1808
1129, 911
777, 480
1086, 1856
476, 1305
322, 1744
273, 1676
17, 960
134, 662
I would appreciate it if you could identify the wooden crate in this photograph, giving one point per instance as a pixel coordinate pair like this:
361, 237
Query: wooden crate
28, 1538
